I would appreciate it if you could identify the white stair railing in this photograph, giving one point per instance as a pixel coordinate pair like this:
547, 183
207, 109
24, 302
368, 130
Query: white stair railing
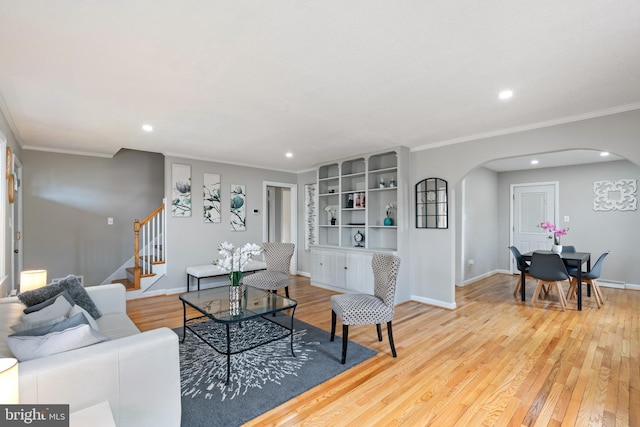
149, 243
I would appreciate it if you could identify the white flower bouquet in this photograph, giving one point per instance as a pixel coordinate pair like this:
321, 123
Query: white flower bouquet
234, 259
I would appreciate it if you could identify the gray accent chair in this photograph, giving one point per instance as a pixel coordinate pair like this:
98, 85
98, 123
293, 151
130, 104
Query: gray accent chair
365, 309
548, 269
590, 277
276, 276
521, 264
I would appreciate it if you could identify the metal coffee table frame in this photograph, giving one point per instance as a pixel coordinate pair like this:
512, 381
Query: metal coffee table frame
214, 304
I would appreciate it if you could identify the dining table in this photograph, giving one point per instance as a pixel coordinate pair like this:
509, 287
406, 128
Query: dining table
570, 259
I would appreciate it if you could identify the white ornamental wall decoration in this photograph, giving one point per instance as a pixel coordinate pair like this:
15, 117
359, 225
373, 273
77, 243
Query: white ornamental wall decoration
618, 195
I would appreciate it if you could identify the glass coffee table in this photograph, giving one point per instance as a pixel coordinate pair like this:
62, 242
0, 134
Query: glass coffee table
214, 304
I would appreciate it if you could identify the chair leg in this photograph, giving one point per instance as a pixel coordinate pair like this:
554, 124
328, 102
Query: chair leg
345, 340
596, 290
560, 295
597, 295
536, 292
379, 329
333, 325
515, 293
571, 292
390, 332
286, 291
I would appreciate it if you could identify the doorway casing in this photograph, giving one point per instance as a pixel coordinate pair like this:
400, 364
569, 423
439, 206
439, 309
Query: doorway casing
294, 216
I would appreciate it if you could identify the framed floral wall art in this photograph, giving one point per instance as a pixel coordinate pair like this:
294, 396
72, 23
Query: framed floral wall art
211, 198
180, 190
238, 208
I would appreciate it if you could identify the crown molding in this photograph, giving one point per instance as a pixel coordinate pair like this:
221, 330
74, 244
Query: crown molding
532, 126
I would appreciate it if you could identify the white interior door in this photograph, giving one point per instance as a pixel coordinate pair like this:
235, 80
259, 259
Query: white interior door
532, 204
16, 223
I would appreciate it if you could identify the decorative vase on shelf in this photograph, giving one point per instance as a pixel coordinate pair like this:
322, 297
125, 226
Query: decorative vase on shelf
557, 249
333, 221
388, 221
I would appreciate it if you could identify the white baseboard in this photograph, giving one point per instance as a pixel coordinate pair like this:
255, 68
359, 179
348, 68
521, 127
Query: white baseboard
482, 276
437, 303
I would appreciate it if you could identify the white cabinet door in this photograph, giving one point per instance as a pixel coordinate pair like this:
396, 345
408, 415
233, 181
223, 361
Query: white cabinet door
322, 267
359, 276
340, 269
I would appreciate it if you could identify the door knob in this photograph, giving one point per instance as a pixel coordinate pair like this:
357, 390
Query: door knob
16, 251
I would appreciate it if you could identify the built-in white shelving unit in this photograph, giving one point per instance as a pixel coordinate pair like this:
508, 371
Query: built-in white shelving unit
357, 191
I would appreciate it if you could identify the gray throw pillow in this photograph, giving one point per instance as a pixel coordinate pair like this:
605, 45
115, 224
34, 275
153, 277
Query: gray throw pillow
48, 302
72, 285
78, 319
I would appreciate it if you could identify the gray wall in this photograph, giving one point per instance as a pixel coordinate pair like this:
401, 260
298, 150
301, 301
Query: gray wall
190, 241
481, 218
433, 259
589, 230
67, 199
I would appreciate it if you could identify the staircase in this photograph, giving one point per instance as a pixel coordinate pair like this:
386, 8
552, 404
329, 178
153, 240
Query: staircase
149, 263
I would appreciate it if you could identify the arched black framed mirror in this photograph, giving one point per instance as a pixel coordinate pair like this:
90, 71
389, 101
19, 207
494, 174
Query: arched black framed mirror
432, 209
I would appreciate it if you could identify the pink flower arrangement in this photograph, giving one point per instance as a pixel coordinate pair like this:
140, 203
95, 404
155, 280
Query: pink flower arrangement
556, 232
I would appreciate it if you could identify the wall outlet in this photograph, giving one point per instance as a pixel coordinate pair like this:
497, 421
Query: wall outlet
110, 220
566, 218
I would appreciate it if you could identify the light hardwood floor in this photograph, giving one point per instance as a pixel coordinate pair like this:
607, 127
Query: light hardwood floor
492, 361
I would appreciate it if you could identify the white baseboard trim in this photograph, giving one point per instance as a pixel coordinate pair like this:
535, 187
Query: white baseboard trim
482, 276
632, 287
437, 303
304, 273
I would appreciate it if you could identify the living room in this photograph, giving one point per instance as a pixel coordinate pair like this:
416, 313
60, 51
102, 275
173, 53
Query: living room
77, 172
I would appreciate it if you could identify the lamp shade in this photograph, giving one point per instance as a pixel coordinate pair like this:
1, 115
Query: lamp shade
9, 385
32, 279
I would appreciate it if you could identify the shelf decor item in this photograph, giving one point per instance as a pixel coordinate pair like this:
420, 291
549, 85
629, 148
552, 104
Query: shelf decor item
331, 210
359, 238
388, 221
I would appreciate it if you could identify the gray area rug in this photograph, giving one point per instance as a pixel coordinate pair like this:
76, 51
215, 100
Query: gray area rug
262, 378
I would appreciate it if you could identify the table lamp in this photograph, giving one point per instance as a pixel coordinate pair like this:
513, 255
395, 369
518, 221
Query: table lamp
9, 385
32, 279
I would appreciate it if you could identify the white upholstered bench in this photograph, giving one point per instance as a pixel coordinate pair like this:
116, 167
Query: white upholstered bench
210, 270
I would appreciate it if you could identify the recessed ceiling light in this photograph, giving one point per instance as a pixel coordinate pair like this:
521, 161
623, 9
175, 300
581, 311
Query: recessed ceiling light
147, 128
289, 154
505, 94
534, 162
604, 154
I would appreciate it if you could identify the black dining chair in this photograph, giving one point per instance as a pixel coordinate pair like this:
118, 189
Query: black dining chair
548, 269
521, 265
590, 277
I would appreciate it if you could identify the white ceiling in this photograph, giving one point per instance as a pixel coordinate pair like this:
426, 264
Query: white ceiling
246, 81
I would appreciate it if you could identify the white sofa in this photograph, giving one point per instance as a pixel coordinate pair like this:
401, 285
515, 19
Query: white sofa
137, 373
